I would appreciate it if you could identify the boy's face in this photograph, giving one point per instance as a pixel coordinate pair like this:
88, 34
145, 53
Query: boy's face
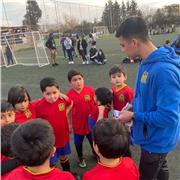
7, 117
22, 106
117, 79
51, 94
77, 82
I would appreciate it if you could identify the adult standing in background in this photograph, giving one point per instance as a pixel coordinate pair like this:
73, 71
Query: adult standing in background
51, 45
82, 48
156, 110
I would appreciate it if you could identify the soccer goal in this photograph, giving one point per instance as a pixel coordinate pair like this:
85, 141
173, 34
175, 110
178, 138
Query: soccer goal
100, 30
23, 48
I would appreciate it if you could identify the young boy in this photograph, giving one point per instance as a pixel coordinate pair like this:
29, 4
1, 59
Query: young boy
8, 162
122, 93
7, 113
111, 141
83, 102
54, 109
33, 144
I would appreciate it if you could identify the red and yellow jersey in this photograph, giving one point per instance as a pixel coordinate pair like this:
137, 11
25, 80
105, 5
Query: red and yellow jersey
95, 113
55, 114
22, 173
83, 103
122, 96
125, 170
27, 115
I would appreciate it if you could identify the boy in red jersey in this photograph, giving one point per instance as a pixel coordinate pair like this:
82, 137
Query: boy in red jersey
122, 93
54, 109
33, 144
7, 113
19, 97
83, 102
111, 141
103, 98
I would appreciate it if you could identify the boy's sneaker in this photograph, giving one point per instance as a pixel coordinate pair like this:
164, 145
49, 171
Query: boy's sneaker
72, 62
82, 163
84, 62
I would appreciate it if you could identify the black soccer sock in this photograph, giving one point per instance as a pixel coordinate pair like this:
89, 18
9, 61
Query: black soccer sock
65, 164
79, 149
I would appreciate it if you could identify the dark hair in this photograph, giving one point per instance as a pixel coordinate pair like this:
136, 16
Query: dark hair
93, 43
6, 106
48, 82
32, 142
72, 73
6, 133
104, 96
117, 69
134, 26
17, 94
111, 137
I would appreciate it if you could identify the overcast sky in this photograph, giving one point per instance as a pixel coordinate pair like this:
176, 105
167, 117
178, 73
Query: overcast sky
15, 9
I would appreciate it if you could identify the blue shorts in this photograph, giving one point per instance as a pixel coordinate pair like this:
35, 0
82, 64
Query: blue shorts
78, 139
91, 123
60, 152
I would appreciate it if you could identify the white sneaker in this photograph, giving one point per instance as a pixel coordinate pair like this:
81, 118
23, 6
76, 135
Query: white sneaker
84, 62
72, 62
87, 62
69, 62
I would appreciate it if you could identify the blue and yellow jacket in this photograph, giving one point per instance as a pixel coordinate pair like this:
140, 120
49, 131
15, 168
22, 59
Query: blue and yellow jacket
156, 104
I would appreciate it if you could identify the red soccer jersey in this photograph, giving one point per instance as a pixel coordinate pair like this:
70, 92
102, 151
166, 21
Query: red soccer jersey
125, 170
95, 113
29, 114
4, 158
122, 96
83, 103
55, 114
21, 173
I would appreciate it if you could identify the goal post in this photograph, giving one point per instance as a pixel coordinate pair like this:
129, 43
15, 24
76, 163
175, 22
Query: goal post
100, 30
26, 49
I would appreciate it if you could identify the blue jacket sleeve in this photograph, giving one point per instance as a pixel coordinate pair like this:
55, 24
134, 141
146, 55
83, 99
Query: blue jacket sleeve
167, 93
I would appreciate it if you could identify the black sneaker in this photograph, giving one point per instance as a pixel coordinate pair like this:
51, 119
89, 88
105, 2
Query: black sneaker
56, 64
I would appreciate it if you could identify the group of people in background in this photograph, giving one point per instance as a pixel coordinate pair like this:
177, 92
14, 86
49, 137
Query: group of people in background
74, 45
150, 117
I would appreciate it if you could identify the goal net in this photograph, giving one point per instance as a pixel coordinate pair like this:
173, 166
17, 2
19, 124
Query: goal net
100, 30
23, 48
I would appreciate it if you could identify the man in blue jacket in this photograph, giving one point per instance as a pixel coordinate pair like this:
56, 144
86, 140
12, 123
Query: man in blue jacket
156, 106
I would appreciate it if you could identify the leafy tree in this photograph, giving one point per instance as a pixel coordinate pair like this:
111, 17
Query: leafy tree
33, 14
115, 13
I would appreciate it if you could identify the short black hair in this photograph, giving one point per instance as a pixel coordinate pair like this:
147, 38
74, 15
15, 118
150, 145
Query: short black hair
73, 73
48, 82
6, 106
32, 142
111, 137
6, 133
117, 69
134, 26
104, 96
16, 94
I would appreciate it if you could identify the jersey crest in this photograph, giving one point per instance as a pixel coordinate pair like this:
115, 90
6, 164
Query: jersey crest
87, 97
121, 98
28, 113
61, 107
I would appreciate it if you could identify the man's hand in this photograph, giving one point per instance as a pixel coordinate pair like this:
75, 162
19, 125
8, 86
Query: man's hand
126, 116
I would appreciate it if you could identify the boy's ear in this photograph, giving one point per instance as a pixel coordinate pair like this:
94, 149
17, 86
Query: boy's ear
53, 151
96, 149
